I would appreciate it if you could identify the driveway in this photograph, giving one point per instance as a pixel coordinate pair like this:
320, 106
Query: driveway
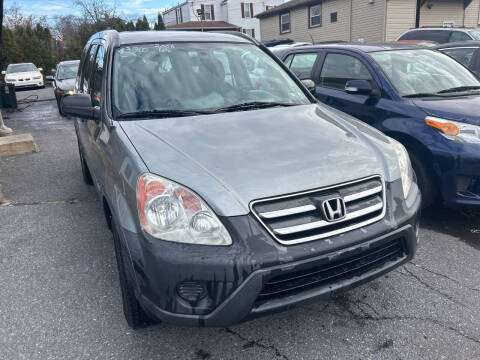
60, 297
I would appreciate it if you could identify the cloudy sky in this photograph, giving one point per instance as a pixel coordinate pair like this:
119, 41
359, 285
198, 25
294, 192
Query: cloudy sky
127, 8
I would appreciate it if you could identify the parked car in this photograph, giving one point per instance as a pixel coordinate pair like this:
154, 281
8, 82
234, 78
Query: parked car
466, 53
24, 75
230, 198
64, 80
420, 97
441, 35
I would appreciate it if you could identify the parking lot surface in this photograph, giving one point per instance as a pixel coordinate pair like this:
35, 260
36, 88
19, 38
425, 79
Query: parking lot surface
60, 297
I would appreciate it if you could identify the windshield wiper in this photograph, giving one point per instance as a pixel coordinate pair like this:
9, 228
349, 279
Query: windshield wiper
421, 95
161, 114
460, 88
253, 105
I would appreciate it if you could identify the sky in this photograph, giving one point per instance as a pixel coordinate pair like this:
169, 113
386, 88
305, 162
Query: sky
125, 8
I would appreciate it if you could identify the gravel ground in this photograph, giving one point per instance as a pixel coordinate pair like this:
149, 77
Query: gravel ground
60, 297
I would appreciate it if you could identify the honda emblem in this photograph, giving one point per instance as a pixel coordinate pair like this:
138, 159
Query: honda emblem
334, 209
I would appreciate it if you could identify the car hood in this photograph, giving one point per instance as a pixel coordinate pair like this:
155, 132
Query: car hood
230, 159
463, 109
22, 75
67, 84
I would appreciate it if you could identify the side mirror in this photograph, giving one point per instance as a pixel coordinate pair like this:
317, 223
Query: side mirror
361, 87
53, 71
40, 69
309, 84
49, 78
4, 72
78, 105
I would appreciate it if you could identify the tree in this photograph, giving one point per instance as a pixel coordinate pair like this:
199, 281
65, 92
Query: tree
94, 11
159, 24
130, 26
142, 24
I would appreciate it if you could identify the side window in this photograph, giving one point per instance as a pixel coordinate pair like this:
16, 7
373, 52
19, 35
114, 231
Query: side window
302, 65
462, 55
96, 78
288, 60
340, 68
459, 36
87, 69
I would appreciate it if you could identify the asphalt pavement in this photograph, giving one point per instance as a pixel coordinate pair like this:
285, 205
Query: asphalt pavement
60, 297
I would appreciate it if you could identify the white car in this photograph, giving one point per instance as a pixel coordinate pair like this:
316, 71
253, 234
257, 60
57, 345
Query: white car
24, 75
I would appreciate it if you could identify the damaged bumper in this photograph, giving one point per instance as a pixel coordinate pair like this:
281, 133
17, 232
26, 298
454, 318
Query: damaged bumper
218, 286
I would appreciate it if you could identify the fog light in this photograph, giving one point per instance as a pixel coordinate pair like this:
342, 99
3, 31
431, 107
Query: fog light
191, 291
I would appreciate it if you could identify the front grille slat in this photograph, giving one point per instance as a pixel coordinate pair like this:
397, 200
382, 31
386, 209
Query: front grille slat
323, 223
363, 194
287, 212
297, 218
324, 275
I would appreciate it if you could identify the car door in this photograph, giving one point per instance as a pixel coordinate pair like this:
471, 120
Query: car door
96, 130
83, 126
336, 70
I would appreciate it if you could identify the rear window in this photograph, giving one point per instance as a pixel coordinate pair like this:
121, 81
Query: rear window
439, 36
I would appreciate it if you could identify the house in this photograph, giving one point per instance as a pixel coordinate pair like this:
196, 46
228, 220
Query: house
362, 20
198, 13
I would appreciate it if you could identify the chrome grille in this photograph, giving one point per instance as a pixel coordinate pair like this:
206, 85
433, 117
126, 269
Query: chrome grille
297, 218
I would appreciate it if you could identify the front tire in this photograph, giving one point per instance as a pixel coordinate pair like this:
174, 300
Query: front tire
133, 311
425, 181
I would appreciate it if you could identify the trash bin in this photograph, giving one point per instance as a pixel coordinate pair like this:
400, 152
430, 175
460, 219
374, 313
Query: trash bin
8, 98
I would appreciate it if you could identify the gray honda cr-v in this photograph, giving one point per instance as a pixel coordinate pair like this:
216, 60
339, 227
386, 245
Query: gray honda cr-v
231, 192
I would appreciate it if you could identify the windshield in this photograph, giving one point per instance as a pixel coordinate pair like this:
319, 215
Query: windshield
423, 71
17, 68
475, 34
198, 76
67, 71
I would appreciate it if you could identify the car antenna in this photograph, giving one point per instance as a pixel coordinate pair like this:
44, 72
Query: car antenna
311, 37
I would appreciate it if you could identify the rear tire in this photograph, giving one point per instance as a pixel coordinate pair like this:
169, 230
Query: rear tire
134, 313
87, 177
425, 181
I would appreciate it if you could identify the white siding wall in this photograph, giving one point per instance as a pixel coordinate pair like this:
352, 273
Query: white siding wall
368, 20
400, 17
230, 12
472, 14
441, 10
234, 9
340, 30
170, 18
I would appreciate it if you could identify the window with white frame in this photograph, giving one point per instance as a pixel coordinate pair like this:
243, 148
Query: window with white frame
315, 15
208, 12
285, 23
247, 10
178, 14
249, 32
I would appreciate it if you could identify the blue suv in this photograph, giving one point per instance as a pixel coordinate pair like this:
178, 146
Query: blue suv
420, 97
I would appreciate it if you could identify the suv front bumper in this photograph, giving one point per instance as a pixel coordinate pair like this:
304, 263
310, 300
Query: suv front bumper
238, 279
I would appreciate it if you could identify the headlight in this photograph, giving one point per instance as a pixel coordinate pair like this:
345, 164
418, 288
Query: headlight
37, 77
404, 165
11, 80
454, 130
171, 212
